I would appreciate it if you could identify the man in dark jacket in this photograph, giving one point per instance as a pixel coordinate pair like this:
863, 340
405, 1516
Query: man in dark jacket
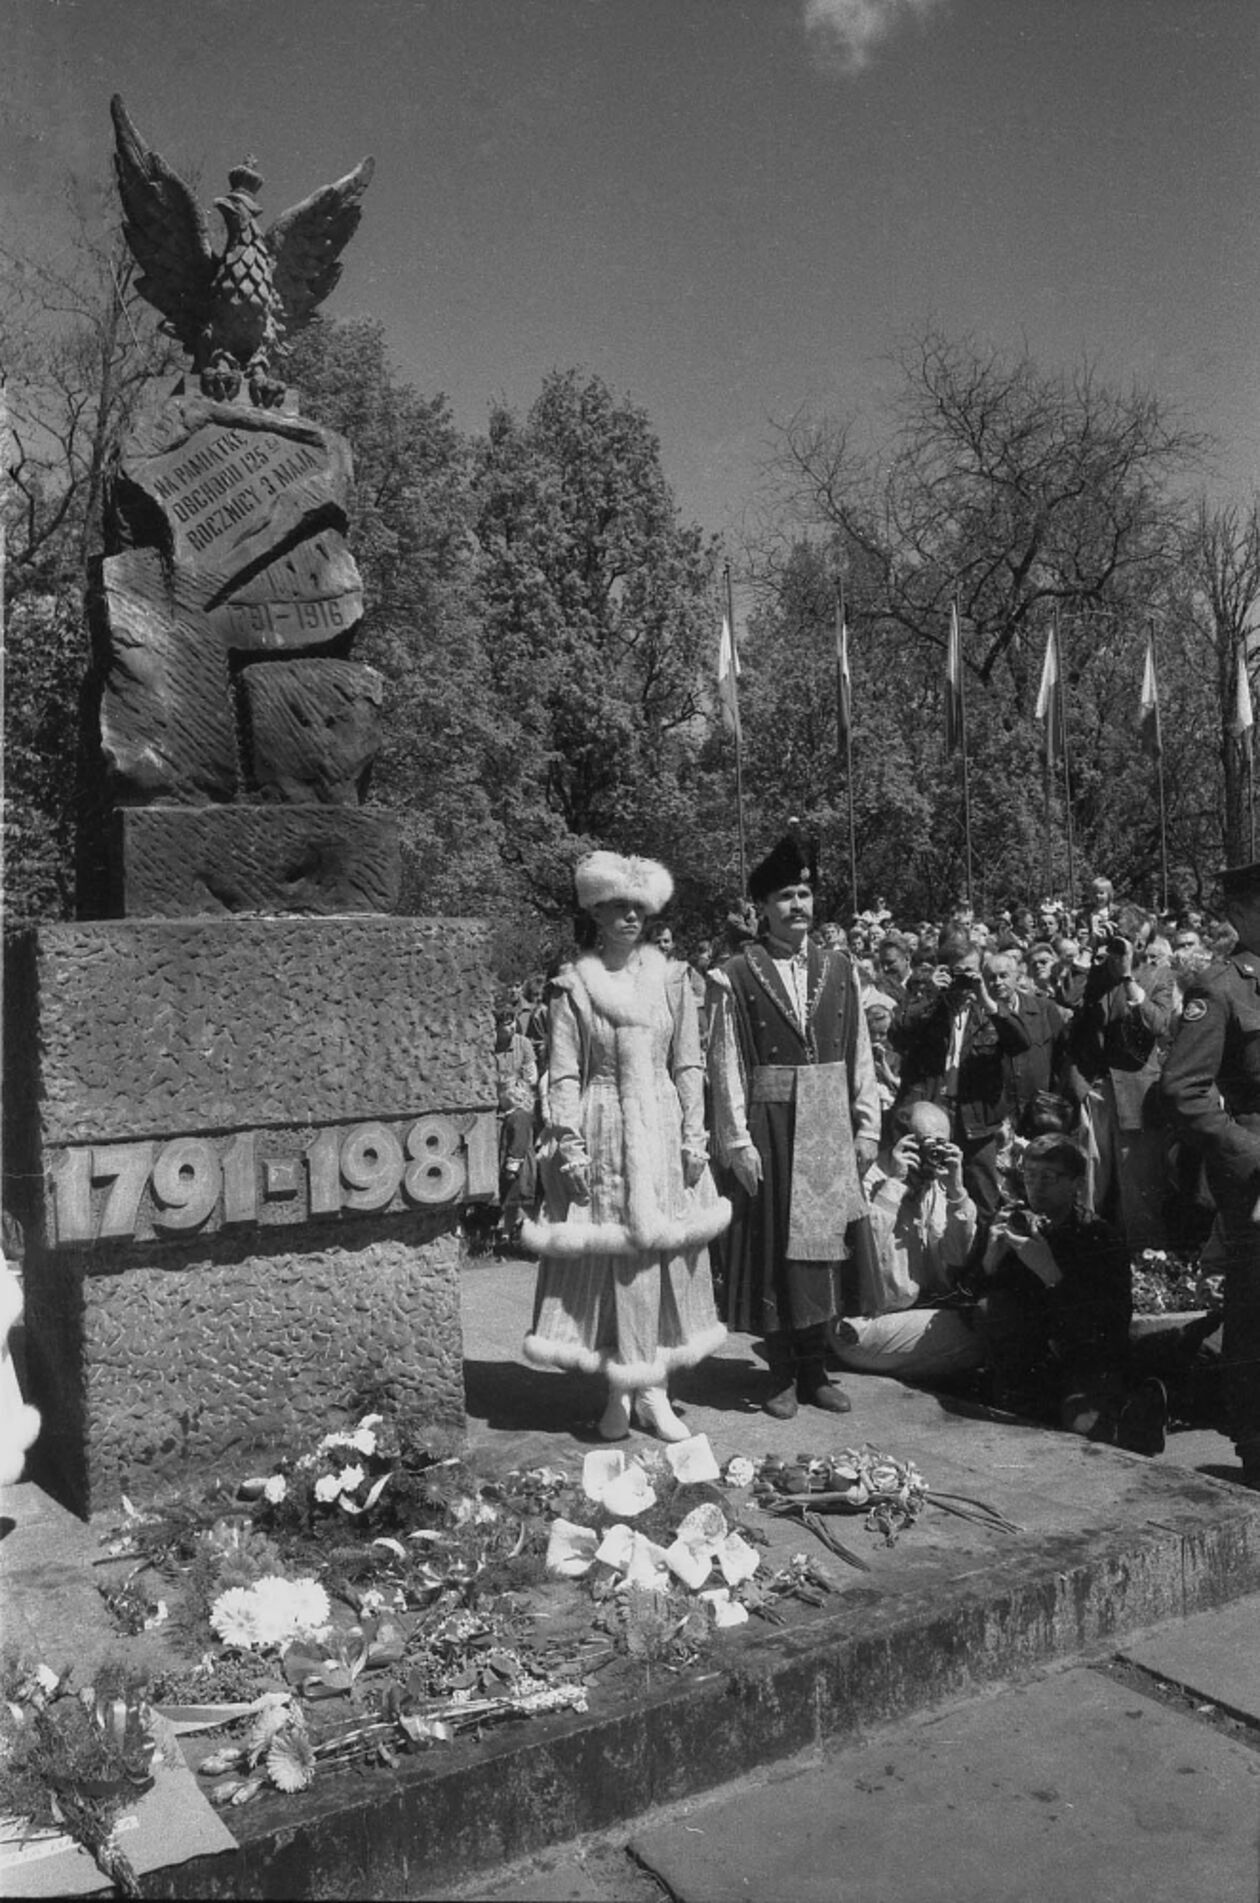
1211, 1090
1034, 1072
956, 1039
1114, 1051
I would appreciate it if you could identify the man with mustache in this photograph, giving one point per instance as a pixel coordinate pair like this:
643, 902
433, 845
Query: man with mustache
796, 1122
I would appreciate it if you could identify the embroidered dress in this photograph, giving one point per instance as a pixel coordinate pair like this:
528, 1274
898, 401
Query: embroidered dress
624, 1287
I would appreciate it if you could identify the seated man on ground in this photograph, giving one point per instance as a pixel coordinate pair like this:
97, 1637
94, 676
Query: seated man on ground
1055, 1307
923, 1224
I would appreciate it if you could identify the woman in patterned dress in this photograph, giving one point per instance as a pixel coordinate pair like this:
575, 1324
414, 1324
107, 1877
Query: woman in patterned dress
624, 1288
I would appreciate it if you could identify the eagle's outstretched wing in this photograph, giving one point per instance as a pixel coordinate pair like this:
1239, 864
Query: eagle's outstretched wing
307, 242
165, 230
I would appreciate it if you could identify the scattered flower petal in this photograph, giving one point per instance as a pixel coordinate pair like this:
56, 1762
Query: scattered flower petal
737, 1559
616, 1547
630, 1493
692, 1460
601, 1465
571, 1549
691, 1564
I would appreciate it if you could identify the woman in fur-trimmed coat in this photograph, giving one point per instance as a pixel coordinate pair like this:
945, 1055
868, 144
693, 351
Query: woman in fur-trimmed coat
623, 1279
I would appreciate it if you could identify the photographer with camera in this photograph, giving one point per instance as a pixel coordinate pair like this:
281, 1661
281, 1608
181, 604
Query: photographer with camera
1115, 1048
923, 1226
956, 1039
1055, 1306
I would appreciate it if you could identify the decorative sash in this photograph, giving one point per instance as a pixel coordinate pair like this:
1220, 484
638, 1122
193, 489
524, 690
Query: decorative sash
826, 1193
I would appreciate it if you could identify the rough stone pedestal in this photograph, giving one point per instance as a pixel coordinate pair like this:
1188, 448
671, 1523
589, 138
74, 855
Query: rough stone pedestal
245, 1145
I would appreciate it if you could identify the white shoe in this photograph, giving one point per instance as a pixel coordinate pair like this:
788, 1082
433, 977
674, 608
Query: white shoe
653, 1413
615, 1421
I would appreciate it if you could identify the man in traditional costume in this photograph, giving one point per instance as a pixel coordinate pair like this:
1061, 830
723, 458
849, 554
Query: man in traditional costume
796, 1120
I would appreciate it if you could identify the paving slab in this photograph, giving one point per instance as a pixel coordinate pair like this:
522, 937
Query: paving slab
567, 1880
1073, 1788
1214, 1656
1110, 1545
48, 1594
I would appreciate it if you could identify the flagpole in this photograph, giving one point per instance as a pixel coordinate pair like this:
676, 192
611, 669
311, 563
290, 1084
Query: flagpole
845, 715
1159, 777
1067, 766
739, 749
1047, 808
962, 738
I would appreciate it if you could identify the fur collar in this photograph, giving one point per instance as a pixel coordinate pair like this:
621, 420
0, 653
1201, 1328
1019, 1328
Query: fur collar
626, 998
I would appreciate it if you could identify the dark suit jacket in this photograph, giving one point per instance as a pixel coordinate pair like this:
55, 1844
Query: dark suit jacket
1039, 1067
985, 1094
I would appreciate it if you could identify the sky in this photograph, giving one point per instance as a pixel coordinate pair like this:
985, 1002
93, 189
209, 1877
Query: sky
729, 210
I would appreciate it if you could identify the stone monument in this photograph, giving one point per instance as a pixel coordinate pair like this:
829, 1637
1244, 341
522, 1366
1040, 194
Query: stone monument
247, 1104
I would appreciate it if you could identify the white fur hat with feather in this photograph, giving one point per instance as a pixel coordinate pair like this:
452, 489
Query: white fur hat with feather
610, 875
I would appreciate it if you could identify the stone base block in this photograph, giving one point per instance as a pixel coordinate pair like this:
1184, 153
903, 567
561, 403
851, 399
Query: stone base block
205, 861
156, 1375
119, 1029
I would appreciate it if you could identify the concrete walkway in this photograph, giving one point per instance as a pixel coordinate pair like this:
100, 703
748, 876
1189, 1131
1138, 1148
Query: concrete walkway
1112, 1549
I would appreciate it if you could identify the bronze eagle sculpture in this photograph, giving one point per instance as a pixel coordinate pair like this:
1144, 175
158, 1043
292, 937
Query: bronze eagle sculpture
231, 310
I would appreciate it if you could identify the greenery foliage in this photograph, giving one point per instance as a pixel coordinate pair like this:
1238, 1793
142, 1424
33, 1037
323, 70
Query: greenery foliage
547, 625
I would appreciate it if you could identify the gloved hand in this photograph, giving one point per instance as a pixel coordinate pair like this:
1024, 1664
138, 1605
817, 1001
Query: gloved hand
694, 1165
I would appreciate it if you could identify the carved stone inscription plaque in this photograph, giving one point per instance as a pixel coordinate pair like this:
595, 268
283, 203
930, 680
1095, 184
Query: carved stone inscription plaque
196, 1184
233, 485
234, 555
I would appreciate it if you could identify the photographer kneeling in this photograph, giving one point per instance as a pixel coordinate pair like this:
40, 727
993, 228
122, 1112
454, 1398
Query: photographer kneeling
923, 1224
1055, 1307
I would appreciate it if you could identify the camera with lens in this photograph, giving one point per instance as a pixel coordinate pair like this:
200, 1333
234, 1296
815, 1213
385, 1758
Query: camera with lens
1118, 947
934, 1152
962, 978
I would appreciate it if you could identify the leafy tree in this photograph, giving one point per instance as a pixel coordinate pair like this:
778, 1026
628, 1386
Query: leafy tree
79, 350
599, 620
1012, 489
411, 533
1029, 496
1223, 569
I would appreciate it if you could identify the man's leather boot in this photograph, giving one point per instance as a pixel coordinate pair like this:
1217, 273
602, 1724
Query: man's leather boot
812, 1385
781, 1400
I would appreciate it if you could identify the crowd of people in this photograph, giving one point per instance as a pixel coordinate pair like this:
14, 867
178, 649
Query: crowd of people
924, 1149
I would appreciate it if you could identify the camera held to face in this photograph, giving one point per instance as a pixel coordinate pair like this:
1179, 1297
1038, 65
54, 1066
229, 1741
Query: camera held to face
962, 978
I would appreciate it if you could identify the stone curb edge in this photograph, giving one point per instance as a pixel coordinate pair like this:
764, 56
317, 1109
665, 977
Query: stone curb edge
444, 1818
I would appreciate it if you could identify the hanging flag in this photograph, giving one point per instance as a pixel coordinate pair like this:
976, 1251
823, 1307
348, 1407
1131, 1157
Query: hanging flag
1050, 697
1148, 705
1243, 719
844, 684
954, 713
728, 681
